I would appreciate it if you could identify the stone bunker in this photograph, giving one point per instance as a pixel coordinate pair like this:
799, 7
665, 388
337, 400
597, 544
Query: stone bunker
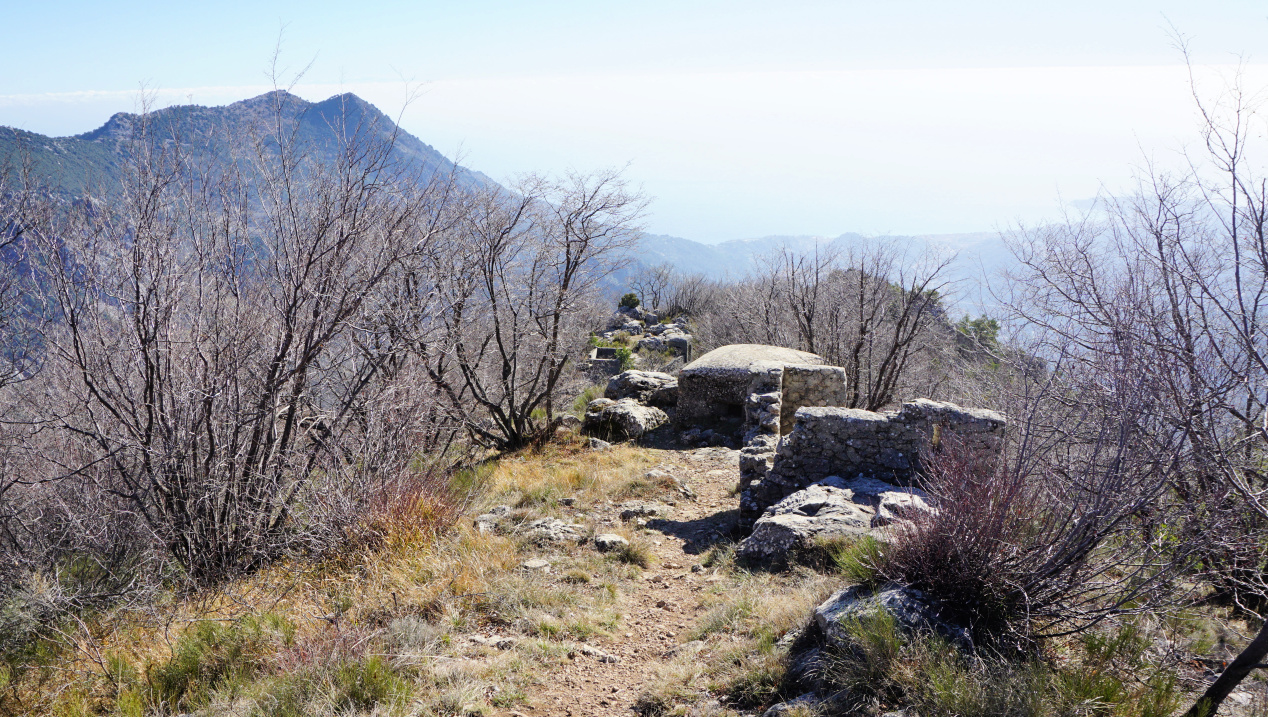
788, 407
720, 386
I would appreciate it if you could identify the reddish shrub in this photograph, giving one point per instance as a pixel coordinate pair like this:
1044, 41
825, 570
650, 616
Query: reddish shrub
1020, 553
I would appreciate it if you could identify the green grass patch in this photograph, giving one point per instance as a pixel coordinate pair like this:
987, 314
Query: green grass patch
215, 657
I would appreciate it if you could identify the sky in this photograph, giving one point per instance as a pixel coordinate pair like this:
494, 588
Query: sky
739, 119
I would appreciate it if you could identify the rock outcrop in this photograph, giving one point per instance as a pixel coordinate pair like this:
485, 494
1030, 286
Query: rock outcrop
650, 387
828, 635
643, 328
607, 542
551, 530
632, 509
912, 609
625, 419
833, 508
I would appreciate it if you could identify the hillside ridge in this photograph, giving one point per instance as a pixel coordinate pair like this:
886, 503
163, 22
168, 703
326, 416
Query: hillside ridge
95, 158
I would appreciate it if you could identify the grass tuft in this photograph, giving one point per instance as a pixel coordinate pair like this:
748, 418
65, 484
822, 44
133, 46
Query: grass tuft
636, 552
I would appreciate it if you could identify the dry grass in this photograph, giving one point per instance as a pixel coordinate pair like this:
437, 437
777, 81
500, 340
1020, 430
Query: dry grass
735, 648
384, 623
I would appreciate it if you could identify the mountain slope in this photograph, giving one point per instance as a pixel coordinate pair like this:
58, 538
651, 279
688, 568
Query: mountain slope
97, 159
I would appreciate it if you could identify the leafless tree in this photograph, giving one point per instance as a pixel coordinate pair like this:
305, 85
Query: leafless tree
1174, 280
691, 295
215, 320
517, 281
18, 350
653, 284
875, 309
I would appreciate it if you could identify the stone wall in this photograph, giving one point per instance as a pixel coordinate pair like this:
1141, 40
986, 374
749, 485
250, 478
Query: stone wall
809, 385
706, 396
776, 391
849, 442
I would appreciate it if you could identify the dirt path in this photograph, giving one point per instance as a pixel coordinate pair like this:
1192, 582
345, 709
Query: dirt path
661, 607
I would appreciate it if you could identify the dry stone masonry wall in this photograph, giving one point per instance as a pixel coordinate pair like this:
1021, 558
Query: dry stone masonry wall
807, 385
848, 442
765, 392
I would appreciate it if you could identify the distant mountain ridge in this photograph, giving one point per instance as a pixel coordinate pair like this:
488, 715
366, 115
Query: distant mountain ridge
96, 158
977, 254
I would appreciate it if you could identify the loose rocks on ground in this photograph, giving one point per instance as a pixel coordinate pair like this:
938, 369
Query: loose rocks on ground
641, 509
551, 530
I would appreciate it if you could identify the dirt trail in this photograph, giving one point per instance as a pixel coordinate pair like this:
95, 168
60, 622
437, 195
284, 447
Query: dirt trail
661, 607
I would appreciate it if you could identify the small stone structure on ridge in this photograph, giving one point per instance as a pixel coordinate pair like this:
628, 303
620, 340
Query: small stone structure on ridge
853, 443
754, 385
788, 407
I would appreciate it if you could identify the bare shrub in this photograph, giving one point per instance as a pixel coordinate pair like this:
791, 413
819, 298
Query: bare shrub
1041, 546
1173, 279
214, 348
652, 285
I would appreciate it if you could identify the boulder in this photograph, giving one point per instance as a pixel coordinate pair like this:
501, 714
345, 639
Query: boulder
666, 395
488, 522
678, 342
591, 651
637, 312
600, 404
664, 337
551, 530
833, 508
796, 520
650, 343
911, 608
631, 509
640, 385
892, 503
809, 700
622, 420
607, 542
536, 565
806, 667
499, 641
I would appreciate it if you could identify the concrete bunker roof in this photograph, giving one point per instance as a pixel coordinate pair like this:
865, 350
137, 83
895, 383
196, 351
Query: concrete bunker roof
747, 357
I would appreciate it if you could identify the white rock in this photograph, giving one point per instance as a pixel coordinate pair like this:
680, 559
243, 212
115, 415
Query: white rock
794, 521
551, 530
536, 565
624, 419
608, 542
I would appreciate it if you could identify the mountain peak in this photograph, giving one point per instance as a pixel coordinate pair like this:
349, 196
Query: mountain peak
96, 157
270, 100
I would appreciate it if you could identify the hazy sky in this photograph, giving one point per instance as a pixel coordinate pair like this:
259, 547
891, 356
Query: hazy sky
741, 119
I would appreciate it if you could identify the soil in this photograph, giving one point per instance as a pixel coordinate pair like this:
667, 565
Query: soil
662, 606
